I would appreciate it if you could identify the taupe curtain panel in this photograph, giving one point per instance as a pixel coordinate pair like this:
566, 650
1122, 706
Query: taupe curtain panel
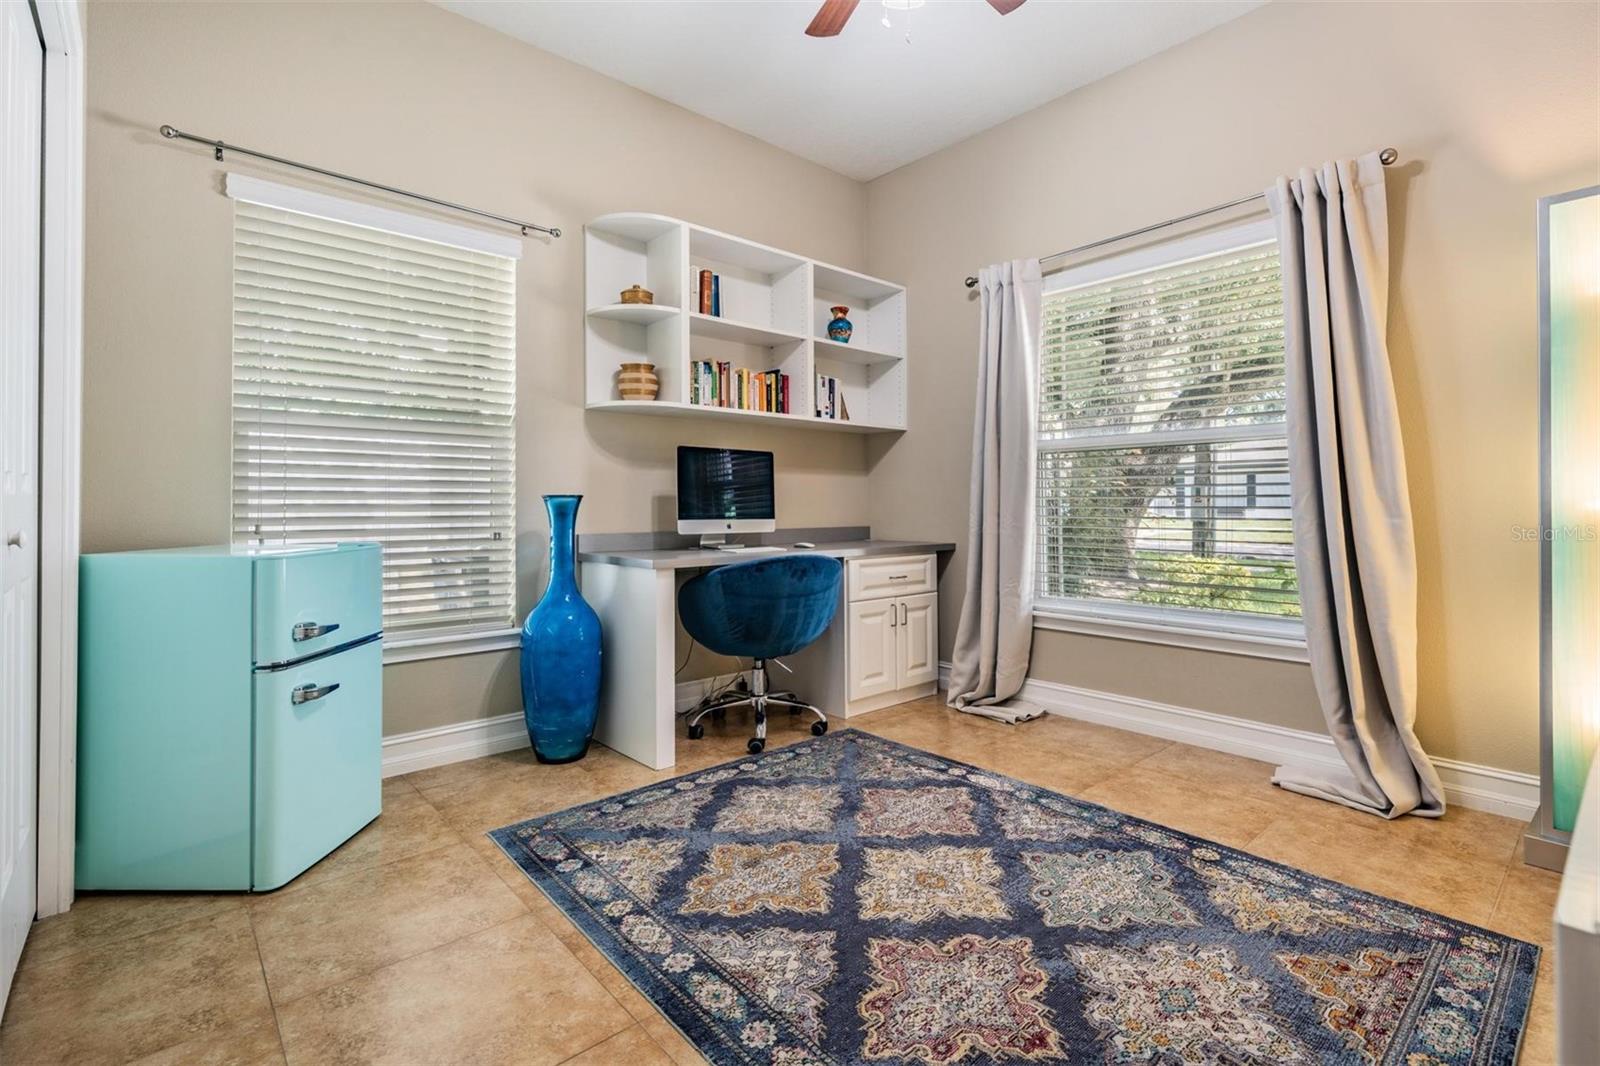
1353, 543
995, 634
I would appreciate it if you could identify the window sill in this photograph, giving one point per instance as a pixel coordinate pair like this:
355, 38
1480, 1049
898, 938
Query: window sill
1265, 638
415, 649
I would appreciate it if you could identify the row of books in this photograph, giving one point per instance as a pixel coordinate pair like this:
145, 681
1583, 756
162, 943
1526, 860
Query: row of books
721, 384
830, 399
707, 292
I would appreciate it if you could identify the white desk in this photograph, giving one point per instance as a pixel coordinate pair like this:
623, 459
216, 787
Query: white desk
634, 590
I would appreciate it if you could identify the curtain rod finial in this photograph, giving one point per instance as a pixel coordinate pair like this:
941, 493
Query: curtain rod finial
971, 281
555, 232
1388, 156
168, 131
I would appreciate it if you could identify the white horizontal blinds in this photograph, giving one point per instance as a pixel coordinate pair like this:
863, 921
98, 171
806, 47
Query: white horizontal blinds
1195, 344
1162, 472
373, 399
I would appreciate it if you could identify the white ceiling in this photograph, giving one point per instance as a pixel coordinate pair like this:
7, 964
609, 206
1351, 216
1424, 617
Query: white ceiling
866, 101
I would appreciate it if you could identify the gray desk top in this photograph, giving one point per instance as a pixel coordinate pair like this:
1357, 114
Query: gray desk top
694, 558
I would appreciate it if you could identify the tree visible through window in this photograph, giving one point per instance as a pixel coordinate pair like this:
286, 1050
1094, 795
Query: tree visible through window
1162, 469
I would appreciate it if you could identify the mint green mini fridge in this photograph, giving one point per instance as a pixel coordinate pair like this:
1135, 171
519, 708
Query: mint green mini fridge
229, 713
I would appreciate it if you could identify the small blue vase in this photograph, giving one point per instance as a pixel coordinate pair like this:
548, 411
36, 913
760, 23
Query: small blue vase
561, 651
840, 328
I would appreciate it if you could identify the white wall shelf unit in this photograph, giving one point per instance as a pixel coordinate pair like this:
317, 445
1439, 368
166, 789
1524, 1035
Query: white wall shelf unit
775, 313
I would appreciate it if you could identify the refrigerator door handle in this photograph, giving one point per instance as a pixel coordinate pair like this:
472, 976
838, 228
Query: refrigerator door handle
311, 630
308, 692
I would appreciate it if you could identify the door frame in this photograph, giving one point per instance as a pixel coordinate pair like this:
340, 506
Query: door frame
60, 446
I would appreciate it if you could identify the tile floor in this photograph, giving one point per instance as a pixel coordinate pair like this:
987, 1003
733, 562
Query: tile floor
417, 942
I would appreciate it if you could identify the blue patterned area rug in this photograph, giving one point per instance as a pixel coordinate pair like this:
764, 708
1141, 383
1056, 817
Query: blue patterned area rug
850, 899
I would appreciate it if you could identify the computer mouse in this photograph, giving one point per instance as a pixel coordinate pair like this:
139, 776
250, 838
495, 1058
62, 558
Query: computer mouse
804, 544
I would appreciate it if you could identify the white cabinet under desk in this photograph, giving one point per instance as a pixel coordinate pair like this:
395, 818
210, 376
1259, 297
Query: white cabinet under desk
891, 631
881, 649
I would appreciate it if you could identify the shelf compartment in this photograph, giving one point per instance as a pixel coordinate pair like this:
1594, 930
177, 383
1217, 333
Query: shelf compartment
853, 353
848, 283
670, 409
644, 314
726, 329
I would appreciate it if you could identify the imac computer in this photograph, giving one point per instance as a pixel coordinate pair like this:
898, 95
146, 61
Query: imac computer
722, 491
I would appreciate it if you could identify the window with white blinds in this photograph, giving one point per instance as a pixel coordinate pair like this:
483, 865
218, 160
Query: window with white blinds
373, 400
1162, 480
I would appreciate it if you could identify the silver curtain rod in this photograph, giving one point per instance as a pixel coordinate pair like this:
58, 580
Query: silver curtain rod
222, 146
1386, 157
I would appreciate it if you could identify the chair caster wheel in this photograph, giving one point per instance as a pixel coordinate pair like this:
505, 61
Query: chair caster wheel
697, 731
756, 745
818, 728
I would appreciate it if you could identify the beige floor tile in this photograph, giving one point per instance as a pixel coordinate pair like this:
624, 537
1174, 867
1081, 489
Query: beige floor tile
510, 993
98, 920
631, 1047
1063, 771
1539, 1038
1218, 768
1216, 814
671, 1041
349, 925
1376, 859
439, 784
138, 996
1526, 905
409, 825
1467, 833
248, 1045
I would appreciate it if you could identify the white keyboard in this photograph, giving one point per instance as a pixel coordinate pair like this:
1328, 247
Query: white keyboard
750, 549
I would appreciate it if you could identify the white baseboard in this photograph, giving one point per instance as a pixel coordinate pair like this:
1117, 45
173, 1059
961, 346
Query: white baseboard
1480, 788
405, 752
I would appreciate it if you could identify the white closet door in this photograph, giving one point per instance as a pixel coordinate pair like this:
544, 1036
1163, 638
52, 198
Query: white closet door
919, 640
873, 624
21, 113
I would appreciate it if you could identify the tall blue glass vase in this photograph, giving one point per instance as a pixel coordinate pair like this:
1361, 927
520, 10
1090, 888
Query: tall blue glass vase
561, 651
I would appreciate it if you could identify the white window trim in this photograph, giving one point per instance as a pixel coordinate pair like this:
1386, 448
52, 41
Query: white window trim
356, 213
1232, 633
1260, 637
448, 645
1161, 254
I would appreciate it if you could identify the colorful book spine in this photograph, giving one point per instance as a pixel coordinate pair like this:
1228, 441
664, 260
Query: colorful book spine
716, 296
705, 292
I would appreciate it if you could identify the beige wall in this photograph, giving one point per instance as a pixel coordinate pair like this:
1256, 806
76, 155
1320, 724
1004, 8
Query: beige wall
417, 97
1491, 106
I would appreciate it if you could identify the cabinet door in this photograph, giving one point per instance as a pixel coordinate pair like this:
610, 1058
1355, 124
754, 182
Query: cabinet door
873, 626
918, 658
319, 745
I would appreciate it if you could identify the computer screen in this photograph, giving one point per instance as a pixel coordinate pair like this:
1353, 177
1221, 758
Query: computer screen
724, 489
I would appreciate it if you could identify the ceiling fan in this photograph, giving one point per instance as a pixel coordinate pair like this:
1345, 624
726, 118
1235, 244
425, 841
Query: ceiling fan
833, 14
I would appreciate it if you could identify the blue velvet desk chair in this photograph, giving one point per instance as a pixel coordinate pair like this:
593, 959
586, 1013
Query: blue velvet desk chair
760, 610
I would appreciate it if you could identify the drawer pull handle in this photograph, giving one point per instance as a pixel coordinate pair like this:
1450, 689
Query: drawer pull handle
311, 630
903, 614
307, 692
899, 577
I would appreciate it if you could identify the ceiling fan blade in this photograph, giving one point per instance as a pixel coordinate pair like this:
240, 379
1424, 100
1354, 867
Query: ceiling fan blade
832, 16
1005, 7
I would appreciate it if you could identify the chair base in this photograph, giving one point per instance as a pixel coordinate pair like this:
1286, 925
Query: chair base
759, 699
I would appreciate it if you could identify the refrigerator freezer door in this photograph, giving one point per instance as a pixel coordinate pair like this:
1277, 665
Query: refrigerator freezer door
319, 740
311, 602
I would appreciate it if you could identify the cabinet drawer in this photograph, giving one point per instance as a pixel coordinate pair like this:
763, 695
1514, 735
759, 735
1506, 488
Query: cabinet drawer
312, 602
900, 575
